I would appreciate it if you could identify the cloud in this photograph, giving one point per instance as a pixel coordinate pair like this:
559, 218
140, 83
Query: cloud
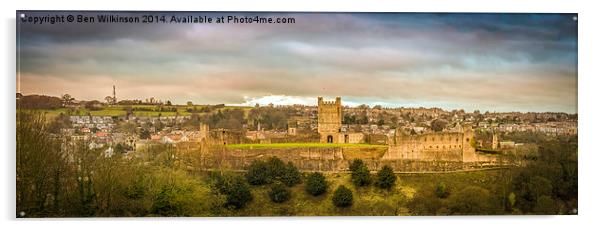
524, 62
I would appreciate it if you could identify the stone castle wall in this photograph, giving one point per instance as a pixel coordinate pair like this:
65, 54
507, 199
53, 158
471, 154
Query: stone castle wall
427, 147
336, 160
448, 147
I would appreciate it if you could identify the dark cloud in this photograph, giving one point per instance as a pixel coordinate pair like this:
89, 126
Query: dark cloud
482, 61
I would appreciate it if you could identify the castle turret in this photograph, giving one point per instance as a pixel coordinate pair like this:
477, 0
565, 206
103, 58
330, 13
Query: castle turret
468, 144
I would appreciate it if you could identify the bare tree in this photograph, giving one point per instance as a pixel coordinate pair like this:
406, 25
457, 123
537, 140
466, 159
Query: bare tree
40, 166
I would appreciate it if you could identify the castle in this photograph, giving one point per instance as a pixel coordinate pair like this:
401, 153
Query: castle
456, 146
404, 151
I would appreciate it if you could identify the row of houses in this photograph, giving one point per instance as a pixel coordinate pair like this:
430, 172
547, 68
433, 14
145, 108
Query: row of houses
84, 119
163, 119
552, 128
85, 123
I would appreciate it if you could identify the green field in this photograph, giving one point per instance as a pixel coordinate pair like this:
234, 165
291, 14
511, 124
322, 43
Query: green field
302, 145
120, 110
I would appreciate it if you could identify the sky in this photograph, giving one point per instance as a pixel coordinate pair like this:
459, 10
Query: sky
486, 62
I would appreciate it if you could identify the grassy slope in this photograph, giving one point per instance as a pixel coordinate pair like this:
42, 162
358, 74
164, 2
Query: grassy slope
367, 200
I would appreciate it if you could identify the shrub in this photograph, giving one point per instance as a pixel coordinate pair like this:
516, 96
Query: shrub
137, 188
529, 188
355, 165
343, 197
316, 184
166, 203
237, 191
258, 173
385, 178
511, 200
441, 190
360, 175
272, 170
291, 176
545, 206
278, 193
471, 200
425, 204
239, 194
276, 168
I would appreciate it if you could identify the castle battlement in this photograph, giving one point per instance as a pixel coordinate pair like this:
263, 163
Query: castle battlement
323, 102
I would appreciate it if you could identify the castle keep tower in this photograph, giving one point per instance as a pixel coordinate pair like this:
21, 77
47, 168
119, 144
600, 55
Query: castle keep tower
329, 120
